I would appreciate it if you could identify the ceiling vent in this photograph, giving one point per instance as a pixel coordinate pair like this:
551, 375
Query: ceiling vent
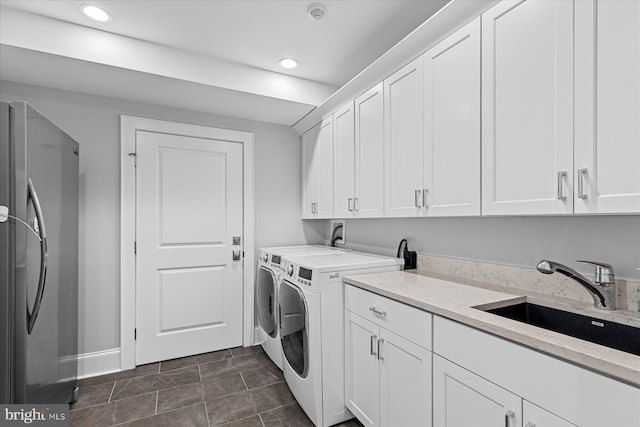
317, 11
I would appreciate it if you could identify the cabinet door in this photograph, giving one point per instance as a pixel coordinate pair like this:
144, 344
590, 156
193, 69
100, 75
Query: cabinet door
343, 162
405, 382
324, 157
403, 140
452, 124
607, 140
362, 373
534, 416
527, 108
309, 172
369, 133
463, 399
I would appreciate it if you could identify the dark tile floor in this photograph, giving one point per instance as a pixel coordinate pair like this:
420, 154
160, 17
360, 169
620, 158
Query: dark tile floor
239, 387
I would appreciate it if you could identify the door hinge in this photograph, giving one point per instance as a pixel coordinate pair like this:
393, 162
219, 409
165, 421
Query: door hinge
135, 247
135, 159
135, 333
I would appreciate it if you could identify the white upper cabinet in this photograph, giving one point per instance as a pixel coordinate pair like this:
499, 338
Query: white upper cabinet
369, 133
527, 108
309, 172
317, 171
344, 162
403, 141
607, 111
452, 124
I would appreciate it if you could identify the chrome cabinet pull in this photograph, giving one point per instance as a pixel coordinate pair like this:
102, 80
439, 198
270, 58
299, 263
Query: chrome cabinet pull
380, 344
32, 314
581, 173
374, 340
417, 198
380, 313
561, 176
425, 192
349, 202
355, 204
530, 424
508, 416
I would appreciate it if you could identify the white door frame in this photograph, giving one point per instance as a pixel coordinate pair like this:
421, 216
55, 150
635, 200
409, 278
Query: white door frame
128, 127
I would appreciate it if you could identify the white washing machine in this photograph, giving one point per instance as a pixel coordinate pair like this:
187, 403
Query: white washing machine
266, 294
311, 311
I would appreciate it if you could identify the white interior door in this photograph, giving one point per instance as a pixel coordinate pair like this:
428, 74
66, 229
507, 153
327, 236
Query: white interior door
189, 208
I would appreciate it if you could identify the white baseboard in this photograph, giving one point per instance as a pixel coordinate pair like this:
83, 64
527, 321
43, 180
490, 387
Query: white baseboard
98, 363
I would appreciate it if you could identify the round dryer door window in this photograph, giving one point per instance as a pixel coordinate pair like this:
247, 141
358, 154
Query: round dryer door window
266, 301
293, 328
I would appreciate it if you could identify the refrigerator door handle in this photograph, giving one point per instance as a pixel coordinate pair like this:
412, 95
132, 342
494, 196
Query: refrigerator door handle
32, 314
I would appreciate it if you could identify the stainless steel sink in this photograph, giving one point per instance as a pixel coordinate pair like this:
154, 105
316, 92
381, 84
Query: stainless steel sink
610, 334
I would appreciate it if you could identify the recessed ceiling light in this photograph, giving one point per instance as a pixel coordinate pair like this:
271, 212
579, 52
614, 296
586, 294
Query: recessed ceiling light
96, 13
288, 63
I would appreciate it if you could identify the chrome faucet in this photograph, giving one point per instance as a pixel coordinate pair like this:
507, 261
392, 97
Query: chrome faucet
602, 289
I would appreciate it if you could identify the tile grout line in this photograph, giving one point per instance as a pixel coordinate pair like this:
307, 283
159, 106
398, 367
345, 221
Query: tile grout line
243, 381
112, 390
206, 412
155, 412
261, 420
199, 373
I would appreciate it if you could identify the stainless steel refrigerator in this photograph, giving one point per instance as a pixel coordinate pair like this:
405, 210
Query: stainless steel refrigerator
39, 260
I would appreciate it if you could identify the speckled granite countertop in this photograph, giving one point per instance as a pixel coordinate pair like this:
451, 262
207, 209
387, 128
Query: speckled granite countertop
449, 298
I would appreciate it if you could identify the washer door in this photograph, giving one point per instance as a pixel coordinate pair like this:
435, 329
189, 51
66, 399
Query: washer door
293, 328
266, 301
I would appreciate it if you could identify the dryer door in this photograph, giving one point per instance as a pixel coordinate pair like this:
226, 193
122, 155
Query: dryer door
293, 327
266, 301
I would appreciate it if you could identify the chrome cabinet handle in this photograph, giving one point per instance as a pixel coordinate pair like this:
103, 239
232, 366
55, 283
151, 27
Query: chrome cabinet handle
355, 204
561, 176
349, 203
417, 198
32, 314
374, 340
581, 173
425, 192
508, 416
378, 312
380, 344
530, 424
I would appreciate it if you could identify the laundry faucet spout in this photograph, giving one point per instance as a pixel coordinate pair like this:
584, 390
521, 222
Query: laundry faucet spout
602, 289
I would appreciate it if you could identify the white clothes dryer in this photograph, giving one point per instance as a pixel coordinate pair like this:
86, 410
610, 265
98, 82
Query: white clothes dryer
266, 294
311, 316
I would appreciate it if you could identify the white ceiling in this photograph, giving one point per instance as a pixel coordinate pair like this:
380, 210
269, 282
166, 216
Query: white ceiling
230, 45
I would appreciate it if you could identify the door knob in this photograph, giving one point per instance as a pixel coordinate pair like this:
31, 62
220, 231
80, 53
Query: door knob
236, 254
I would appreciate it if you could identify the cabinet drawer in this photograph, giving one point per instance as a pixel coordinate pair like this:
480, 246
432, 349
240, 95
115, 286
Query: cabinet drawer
408, 322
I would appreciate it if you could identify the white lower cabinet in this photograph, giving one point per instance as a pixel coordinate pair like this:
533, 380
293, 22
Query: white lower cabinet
463, 399
477, 376
535, 416
387, 376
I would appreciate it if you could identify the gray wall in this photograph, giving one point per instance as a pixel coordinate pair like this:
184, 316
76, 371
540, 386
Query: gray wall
95, 123
517, 241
